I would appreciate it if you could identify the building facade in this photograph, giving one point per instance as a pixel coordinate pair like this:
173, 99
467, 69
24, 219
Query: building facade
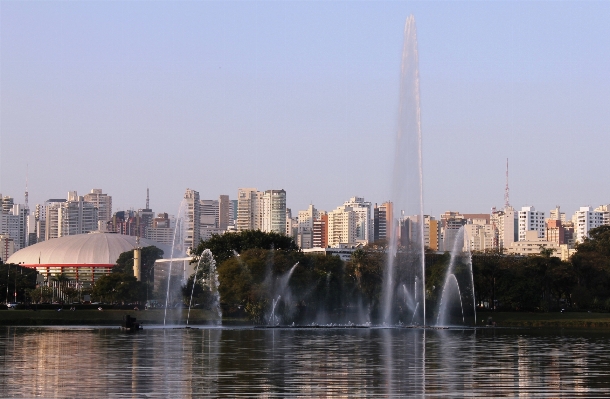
273, 213
531, 220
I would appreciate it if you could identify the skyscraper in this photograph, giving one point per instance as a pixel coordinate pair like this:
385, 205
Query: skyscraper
192, 219
274, 211
103, 203
249, 209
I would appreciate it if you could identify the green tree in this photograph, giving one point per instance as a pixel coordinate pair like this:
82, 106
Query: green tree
16, 279
225, 246
40, 294
592, 267
150, 254
118, 287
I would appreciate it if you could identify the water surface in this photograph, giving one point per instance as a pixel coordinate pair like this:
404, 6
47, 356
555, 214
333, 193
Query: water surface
233, 362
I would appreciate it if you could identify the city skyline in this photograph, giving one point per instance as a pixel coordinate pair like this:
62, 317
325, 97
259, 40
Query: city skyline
303, 97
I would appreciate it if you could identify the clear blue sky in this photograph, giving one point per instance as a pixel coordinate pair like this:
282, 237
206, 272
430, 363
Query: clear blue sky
303, 96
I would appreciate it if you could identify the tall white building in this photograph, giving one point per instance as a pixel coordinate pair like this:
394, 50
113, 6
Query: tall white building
605, 210
103, 203
305, 229
531, 220
586, 219
13, 223
273, 213
341, 226
192, 219
249, 207
364, 216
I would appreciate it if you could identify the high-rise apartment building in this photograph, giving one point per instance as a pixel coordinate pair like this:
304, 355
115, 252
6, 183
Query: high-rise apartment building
192, 219
605, 210
103, 203
431, 232
209, 213
341, 226
224, 212
249, 207
161, 230
382, 221
69, 217
320, 231
586, 219
506, 225
273, 213
556, 214
531, 220
555, 231
306, 219
7, 247
13, 223
7, 203
364, 217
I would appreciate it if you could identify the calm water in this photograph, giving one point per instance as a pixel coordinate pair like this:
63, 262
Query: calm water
101, 362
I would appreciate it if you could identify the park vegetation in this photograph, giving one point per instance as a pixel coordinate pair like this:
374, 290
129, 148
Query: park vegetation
252, 267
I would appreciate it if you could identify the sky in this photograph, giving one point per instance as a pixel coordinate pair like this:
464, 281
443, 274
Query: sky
303, 96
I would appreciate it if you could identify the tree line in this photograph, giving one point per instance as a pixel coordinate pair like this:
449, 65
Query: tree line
253, 265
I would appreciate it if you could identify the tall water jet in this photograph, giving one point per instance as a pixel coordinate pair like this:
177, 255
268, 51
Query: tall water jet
457, 296
178, 250
406, 234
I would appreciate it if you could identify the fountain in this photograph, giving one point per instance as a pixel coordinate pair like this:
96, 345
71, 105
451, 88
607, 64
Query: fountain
282, 290
407, 235
451, 309
273, 319
209, 277
178, 250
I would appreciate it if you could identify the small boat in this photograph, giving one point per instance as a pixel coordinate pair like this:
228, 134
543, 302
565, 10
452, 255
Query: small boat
130, 324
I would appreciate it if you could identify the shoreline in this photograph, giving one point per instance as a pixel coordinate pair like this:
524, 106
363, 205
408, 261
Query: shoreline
200, 317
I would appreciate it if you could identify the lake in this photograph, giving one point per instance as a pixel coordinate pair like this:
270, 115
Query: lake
81, 362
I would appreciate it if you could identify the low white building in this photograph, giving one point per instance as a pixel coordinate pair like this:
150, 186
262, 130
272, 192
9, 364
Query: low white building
532, 246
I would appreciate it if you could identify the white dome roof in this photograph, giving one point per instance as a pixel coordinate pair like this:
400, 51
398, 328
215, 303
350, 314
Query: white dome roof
92, 248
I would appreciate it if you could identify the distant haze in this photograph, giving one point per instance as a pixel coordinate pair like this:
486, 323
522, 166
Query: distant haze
304, 96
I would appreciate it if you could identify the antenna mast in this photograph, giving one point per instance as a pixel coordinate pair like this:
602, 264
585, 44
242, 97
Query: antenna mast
26, 186
147, 199
506, 200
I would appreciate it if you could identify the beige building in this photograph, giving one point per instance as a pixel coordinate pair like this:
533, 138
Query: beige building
341, 226
7, 247
103, 203
249, 209
532, 244
506, 225
306, 219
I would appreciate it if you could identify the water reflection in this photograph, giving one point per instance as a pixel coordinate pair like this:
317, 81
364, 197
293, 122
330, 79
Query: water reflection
91, 362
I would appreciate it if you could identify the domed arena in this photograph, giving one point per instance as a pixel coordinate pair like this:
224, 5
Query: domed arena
81, 257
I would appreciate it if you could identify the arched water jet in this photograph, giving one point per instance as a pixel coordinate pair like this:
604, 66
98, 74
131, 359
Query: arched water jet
444, 308
188, 315
460, 255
